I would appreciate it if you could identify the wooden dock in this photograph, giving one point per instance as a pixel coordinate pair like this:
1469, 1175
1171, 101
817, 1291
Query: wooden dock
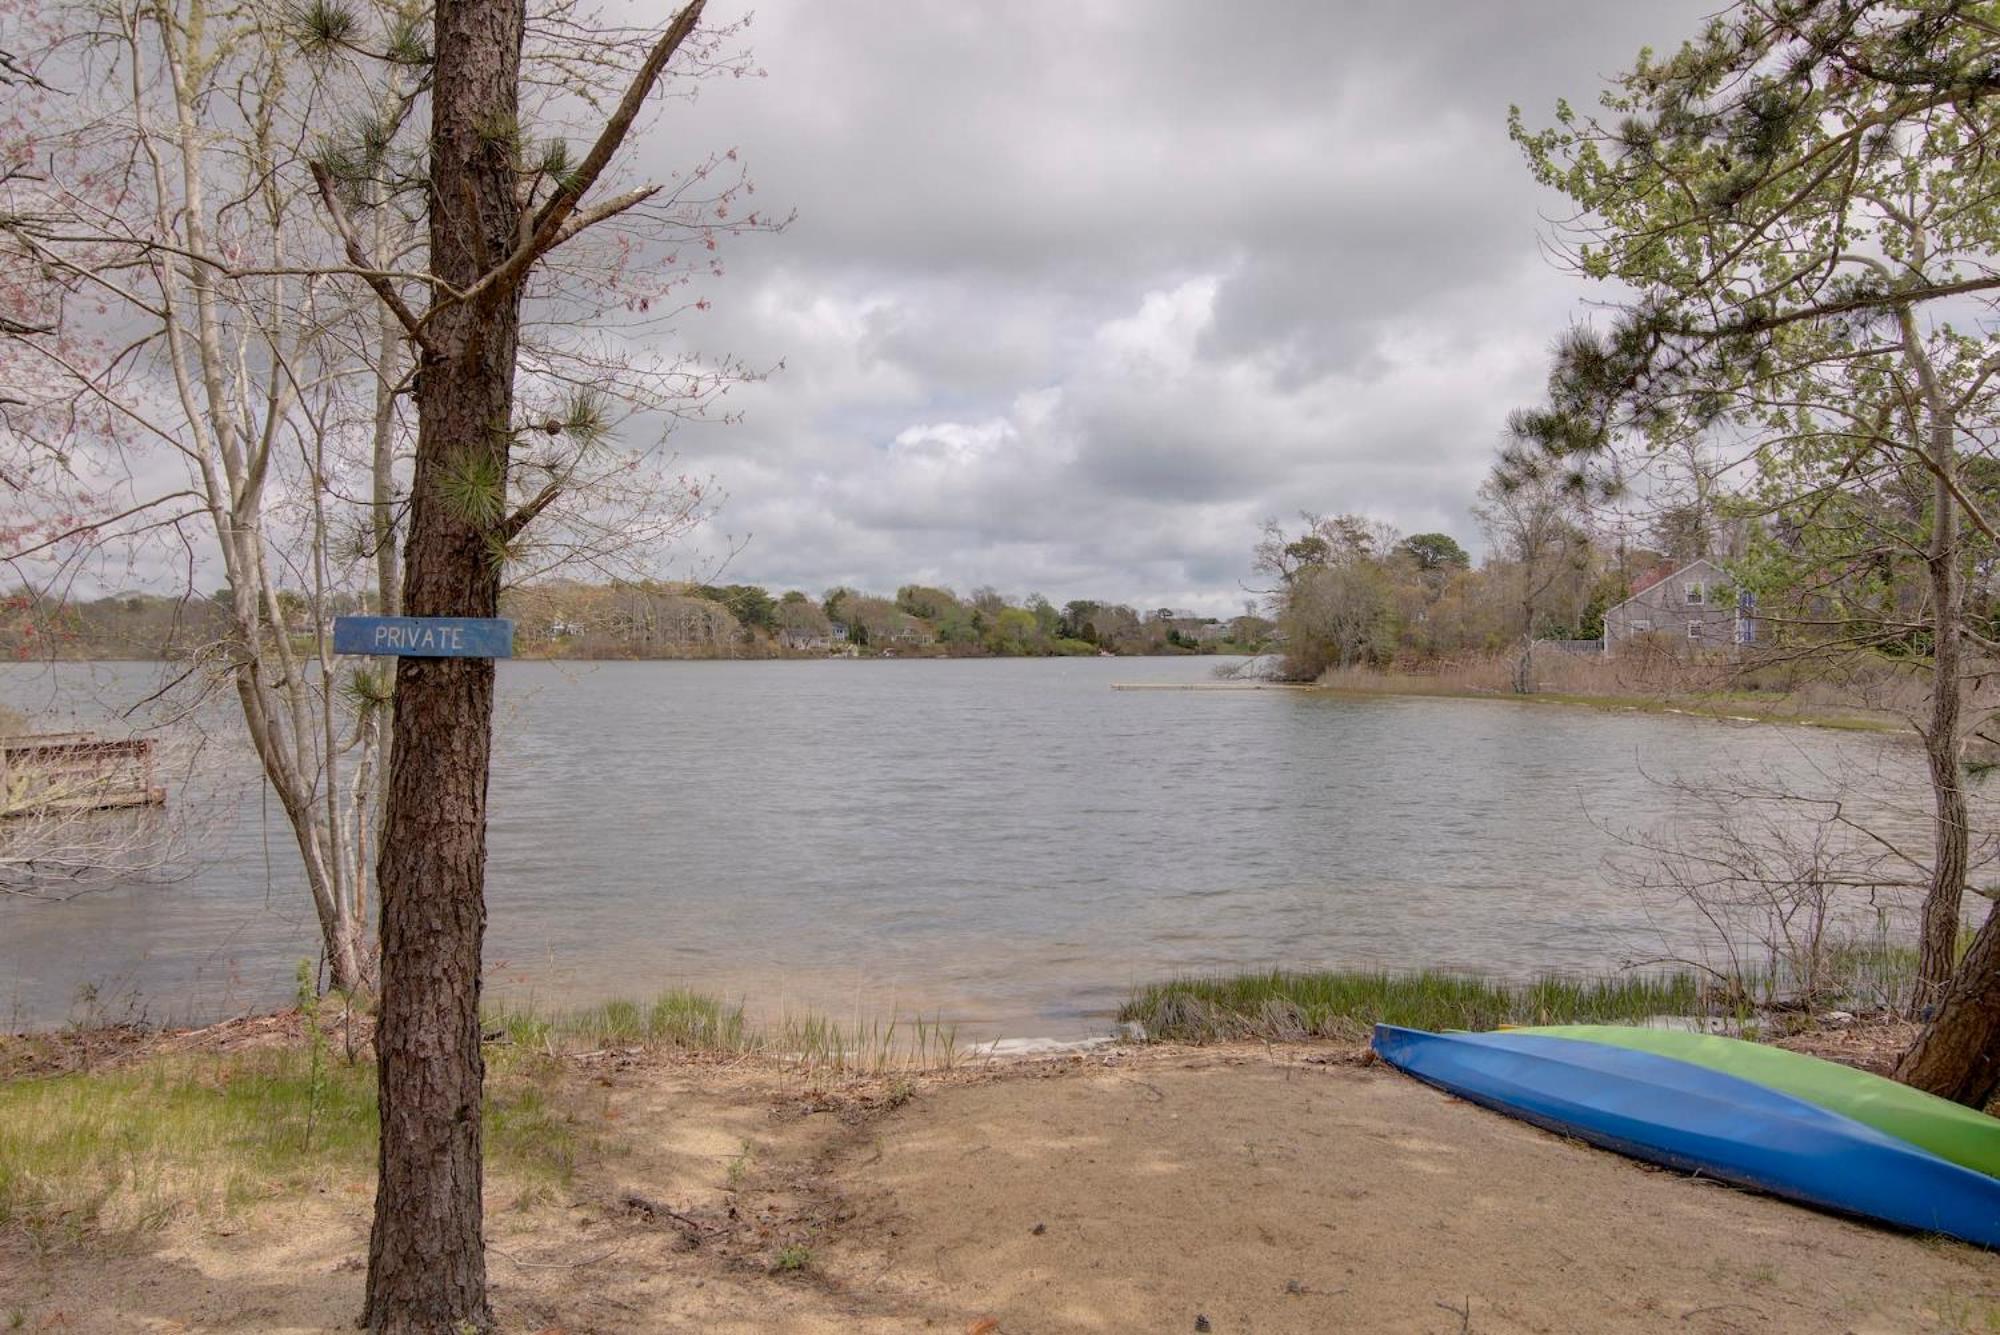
53, 772
1212, 686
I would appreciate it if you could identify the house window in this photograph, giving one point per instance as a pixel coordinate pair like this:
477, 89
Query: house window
1696, 595
1694, 630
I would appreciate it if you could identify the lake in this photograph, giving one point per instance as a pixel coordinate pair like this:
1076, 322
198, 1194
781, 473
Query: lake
1010, 844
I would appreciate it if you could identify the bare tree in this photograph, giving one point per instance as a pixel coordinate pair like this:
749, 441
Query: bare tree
201, 378
1531, 518
1793, 878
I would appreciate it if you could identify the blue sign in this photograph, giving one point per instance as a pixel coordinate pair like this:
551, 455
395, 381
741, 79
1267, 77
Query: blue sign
425, 637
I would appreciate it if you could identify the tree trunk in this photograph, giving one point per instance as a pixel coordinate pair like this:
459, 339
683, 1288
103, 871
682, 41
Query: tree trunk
1944, 735
1957, 1056
426, 1262
1524, 662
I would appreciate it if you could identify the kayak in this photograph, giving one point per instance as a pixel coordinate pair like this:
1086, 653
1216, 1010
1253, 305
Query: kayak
1702, 1121
1949, 1130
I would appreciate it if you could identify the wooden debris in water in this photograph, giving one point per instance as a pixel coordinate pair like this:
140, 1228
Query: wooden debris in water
76, 771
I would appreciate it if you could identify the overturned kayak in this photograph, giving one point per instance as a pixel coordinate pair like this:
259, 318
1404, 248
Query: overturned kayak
1949, 1130
1702, 1121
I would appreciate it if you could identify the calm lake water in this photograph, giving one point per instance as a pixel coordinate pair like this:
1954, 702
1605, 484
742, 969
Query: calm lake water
1011, 844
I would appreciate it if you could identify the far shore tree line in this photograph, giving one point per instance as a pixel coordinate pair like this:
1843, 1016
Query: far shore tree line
640, 619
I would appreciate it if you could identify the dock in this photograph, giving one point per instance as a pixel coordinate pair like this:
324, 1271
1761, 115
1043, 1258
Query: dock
47, 773
1212, 686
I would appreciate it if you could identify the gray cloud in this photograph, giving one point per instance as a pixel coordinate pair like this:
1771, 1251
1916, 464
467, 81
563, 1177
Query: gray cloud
1077, 294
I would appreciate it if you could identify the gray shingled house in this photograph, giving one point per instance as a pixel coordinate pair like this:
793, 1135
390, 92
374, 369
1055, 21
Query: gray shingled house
1695, 605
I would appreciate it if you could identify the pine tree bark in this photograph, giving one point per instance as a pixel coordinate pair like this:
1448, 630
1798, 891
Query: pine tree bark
1944, 744
1957, 1056
426, 1262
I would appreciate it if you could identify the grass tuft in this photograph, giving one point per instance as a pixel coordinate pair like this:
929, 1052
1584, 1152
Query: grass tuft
677, 1018
1289, 1006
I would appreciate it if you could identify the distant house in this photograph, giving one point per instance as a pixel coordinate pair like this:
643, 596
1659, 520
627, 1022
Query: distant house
1695, 605
805, 639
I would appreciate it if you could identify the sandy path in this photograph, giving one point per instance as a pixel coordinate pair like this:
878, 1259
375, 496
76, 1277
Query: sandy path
1264, 1193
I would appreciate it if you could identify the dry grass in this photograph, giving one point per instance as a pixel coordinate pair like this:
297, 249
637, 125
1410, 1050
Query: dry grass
1861, 693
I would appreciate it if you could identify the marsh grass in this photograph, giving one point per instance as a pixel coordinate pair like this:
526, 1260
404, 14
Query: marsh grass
802, 1041
1344, 1004
690, 1021
815, 1044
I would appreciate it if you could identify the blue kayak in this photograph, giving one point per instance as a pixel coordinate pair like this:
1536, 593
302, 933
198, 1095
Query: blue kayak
1701, 1121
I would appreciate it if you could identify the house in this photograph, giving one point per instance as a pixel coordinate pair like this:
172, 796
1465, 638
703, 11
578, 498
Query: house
1695, 605
804, 639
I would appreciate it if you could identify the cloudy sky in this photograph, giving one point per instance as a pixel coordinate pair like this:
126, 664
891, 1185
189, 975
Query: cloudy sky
1080, 293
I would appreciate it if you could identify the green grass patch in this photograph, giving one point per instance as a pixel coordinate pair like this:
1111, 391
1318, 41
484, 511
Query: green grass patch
137, 1140
134, 1146
678, 1018
1289, 1006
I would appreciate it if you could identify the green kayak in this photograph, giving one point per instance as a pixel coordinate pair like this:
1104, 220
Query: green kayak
1948, 1130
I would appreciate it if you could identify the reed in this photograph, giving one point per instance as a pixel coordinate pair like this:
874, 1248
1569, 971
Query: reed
677, 1018
1284, 1005
693, 1022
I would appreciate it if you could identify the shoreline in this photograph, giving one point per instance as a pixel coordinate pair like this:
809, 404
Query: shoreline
1290, 1186
1689, 706
1862, 983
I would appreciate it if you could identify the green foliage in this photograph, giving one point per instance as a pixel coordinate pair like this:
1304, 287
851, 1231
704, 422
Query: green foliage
556, 162
1782, 195
1013, 630
586, 415
928, 603
408, 39
473, 486
322, 27
834, 602
1435, 552
750, 604
369, 689
503, 130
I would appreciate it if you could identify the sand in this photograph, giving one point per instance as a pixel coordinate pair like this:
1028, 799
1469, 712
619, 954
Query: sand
1248, 1190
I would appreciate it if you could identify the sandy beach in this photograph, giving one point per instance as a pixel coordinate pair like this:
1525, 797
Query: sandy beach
1167, 1188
